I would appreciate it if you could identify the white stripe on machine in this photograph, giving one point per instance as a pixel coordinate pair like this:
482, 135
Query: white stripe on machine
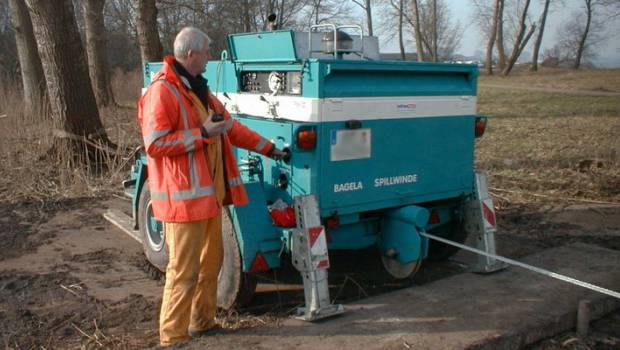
305, 109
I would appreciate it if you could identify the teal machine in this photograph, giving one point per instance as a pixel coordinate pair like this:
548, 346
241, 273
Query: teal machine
380, 151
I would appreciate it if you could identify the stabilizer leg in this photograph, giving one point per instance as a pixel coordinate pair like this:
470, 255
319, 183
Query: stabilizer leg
310, 258
481, 224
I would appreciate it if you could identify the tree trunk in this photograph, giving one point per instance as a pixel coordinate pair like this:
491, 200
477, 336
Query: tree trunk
97, 52
501, 53
512, 61
491, 42
417, 31
246, 17
148, 34
401, 42
539, 38
369, 17
72, 101
33, 80
434, 54
520, 42
316, 11
582, 42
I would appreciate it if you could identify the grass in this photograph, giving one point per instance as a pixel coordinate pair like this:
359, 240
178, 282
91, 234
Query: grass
604, 80
518, 103
558, 145
29, 174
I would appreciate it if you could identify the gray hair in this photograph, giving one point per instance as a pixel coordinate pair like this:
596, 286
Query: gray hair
190, 38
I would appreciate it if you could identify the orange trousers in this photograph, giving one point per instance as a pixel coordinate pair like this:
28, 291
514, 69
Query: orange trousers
190, 293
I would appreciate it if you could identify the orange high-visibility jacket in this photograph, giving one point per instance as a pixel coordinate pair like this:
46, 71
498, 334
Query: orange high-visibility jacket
178, 171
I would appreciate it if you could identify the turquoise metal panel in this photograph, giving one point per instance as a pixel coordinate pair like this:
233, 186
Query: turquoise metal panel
279, 133
372, 79
253, 225
273, 46
313, 75
150, 69
139, 174
438, 151
393, 202
358, 235
222, 77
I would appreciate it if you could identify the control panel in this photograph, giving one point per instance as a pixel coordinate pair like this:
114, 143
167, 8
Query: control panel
275, 82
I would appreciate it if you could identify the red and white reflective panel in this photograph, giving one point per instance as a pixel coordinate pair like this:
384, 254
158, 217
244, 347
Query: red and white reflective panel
318, 247
488, 213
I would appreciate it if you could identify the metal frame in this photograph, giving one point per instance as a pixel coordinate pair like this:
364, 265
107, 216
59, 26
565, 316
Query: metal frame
335, 30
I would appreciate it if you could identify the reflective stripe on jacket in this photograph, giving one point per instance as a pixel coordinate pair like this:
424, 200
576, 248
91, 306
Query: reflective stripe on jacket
178, 171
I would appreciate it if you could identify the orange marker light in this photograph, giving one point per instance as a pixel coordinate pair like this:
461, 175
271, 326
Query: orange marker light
306, 139
481, 125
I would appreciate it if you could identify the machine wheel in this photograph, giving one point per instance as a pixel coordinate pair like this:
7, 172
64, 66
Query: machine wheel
152, 232
399, 270
454, 231
235, 287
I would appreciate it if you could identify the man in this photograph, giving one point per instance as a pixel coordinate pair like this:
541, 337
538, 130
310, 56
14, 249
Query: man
192, 175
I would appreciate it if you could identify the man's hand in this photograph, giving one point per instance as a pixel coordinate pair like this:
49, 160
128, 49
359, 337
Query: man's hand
278, 154
216, 128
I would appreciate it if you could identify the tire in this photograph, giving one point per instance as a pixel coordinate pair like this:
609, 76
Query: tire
152, 232
454, 231
235, 288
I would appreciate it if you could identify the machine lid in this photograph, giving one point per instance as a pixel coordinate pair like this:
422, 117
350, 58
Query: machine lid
273, 46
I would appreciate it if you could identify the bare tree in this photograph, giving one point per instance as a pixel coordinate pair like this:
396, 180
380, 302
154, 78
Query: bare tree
429, 23
121, 34
391, 11
324, 11
521, 39
440, 34
148, 35
367, 8
433, 30
612, 8
417, 29
33, 80
287, 12
581, 34
9, 60
501, 53
539, 37
492, 34
584, 36
71, 97
96, 51
401, 43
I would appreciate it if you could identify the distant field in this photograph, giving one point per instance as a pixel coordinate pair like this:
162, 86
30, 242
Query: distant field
553, 144
604, 80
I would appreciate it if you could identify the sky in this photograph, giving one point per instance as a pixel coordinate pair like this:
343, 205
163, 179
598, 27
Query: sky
608, 52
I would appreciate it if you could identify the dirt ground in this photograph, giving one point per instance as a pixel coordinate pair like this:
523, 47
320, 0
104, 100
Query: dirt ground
70, 280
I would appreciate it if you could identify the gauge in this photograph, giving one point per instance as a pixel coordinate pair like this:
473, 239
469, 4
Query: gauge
293, 82
275, 81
